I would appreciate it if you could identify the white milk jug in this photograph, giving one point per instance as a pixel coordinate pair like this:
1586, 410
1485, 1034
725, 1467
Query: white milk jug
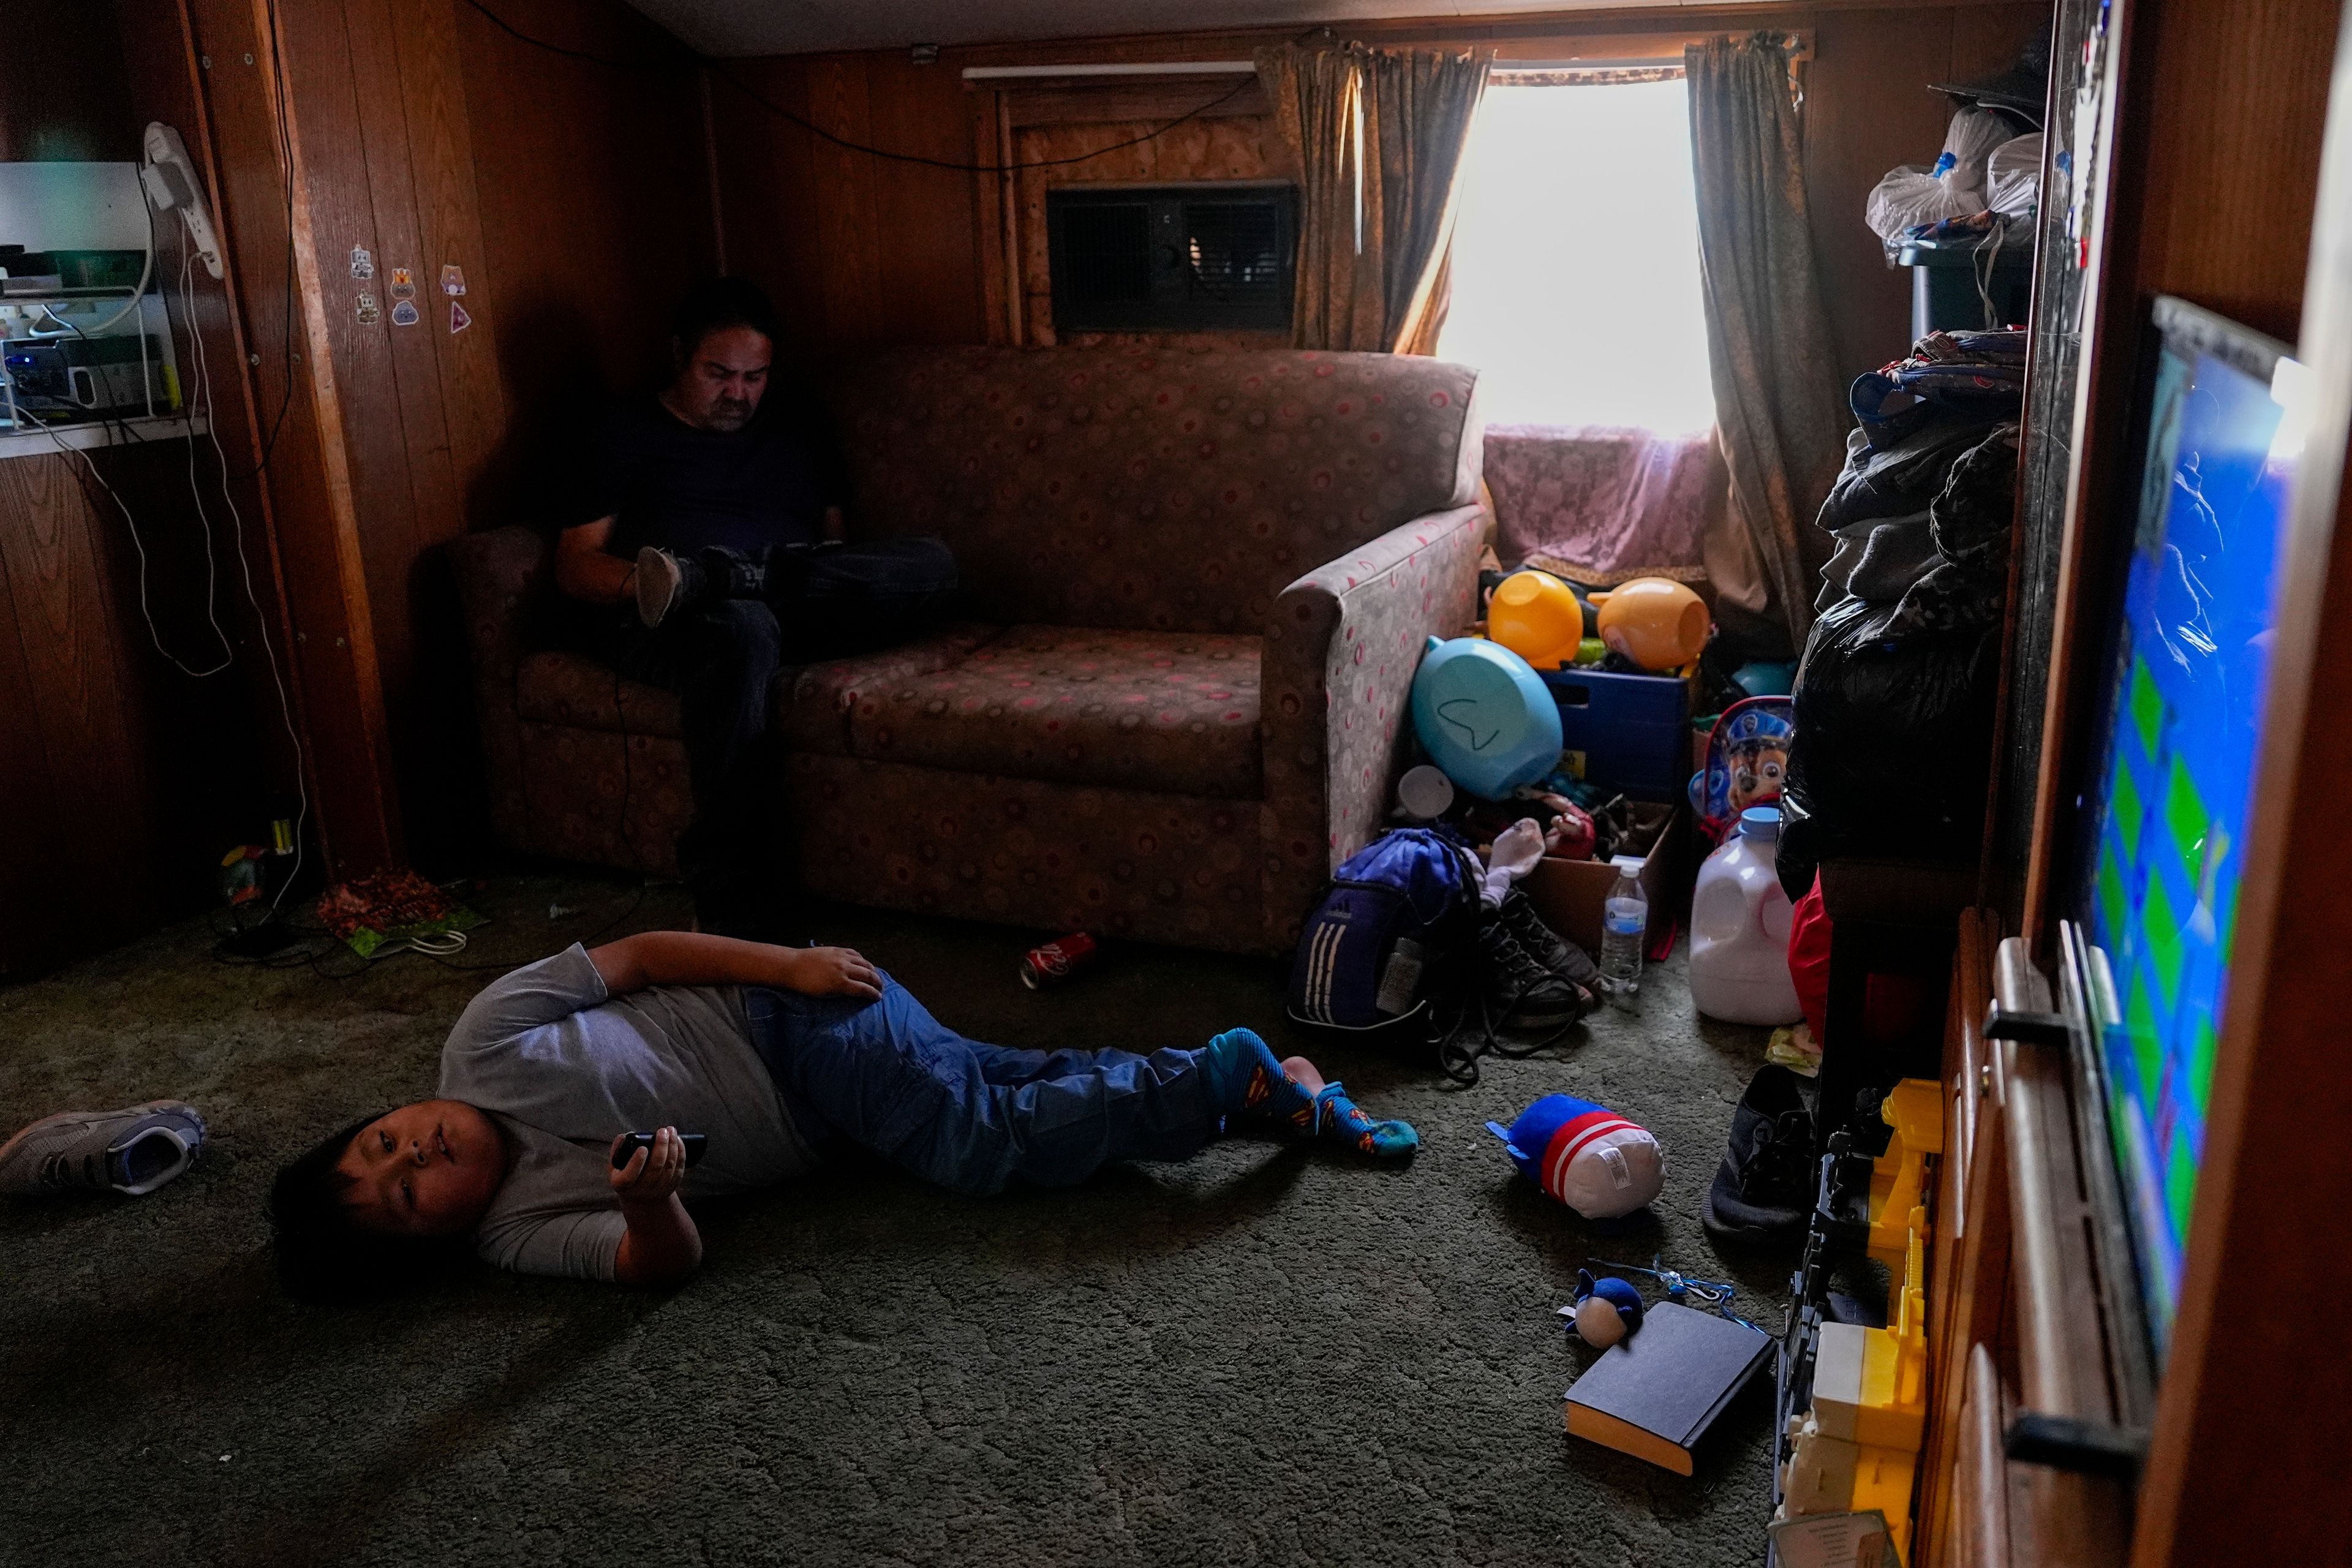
1739, 928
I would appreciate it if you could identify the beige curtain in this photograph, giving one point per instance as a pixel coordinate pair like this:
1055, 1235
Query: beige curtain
1378, 137
1777, 405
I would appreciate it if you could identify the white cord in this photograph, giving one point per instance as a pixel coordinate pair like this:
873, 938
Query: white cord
204, 521
260, 618
136, 544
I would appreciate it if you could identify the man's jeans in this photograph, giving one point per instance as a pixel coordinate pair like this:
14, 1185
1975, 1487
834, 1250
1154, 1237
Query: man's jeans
888, 1076
721, 659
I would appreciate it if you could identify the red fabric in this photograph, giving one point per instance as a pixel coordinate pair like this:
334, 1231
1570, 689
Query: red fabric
1808, 960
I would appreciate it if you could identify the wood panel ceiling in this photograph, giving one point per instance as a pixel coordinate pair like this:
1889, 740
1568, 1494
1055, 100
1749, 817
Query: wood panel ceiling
748, 27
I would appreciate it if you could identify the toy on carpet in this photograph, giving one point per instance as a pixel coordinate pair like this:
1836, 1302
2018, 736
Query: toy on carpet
1684, 1290
395, 909
1586, 1155
1484, 717
1538, 617
1657, 622
1605, 1309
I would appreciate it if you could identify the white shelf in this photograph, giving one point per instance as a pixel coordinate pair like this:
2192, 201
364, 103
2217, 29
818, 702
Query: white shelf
35, 442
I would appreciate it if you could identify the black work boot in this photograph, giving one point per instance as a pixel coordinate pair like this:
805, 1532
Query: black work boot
1764, 1191
668, 583
1520, 992
1548, 948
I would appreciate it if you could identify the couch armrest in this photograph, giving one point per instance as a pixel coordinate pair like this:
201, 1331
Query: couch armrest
500, 577
1340, 660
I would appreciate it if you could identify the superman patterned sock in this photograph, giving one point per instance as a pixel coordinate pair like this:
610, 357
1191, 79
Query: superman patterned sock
1246, 1077
1336, 1119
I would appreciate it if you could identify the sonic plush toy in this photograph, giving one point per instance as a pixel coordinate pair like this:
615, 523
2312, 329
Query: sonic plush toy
1606, 1309
1586, 1155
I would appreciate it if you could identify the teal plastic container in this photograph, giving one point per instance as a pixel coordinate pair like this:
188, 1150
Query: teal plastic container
1484, 716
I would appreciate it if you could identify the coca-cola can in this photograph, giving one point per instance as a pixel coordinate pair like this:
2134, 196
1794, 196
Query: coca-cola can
1057, 960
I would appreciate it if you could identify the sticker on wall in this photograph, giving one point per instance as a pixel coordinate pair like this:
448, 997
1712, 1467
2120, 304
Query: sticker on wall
404, 313
458, 320
404, 285
368, 311
362, 264
453, 279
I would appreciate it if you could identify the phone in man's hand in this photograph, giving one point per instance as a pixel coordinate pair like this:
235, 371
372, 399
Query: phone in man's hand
632, 1141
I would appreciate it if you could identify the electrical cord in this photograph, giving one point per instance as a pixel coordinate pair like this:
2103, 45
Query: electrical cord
245, 565
813, 129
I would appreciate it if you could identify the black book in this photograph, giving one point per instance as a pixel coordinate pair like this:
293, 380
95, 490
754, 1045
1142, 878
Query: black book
1654, 1394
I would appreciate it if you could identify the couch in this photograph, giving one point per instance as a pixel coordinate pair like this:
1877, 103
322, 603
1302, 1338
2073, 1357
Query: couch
1199, 585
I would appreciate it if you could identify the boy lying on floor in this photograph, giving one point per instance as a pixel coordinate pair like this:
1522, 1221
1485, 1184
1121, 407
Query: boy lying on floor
771, 1052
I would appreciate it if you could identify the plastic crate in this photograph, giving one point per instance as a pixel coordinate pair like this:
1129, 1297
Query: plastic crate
1628, 732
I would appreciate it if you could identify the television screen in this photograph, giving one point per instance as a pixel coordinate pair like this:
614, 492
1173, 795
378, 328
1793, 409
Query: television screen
2182, 725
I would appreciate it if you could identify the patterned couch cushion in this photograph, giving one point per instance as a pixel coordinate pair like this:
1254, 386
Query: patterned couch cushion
558, 686
1152, 489
1173, 713
813, 704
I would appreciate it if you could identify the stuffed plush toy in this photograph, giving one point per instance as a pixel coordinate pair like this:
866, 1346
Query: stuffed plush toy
1607, 1309
1586, 1155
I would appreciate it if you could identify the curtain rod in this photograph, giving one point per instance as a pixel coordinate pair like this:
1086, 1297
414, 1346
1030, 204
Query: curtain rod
1244, 68
1158, 67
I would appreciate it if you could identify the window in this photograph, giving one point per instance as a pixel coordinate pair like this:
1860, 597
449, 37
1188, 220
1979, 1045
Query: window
1206, 258
1576, 276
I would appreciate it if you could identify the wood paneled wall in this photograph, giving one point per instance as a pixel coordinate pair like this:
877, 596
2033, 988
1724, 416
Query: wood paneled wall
856, 251
573, 196
866, 251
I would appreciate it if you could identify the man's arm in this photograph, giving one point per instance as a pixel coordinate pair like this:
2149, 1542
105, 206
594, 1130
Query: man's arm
586, 570
697, 958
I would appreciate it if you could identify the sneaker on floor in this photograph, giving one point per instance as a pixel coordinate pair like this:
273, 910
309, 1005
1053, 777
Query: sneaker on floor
663, 583
133, 1151
1520, 992
1548, 948
1764, 1190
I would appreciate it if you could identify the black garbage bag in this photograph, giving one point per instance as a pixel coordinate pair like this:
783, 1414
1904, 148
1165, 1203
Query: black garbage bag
1893, 747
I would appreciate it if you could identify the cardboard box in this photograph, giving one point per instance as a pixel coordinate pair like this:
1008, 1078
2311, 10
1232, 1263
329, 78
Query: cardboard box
1568, 894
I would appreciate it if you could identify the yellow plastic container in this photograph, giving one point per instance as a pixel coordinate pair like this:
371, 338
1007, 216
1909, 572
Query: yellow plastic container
1536, 616
1657, 622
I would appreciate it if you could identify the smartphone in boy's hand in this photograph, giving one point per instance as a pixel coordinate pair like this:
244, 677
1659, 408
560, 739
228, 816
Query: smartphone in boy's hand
628, 1144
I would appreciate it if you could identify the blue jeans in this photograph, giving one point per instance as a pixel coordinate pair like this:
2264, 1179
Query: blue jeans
888, 1076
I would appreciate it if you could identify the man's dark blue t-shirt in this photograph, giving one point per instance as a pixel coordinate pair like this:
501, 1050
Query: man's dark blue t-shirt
671, 485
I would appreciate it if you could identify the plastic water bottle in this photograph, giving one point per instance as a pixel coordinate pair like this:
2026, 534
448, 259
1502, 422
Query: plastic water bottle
1625, 920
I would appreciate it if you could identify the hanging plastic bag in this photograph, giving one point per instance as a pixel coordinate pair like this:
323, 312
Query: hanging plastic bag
1893, 736
1911, 196
2013, 176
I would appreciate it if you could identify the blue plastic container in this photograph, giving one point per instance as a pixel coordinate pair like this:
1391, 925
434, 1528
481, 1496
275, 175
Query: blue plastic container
1632, 731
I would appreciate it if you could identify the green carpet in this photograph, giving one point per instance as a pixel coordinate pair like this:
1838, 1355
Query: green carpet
1267, 1356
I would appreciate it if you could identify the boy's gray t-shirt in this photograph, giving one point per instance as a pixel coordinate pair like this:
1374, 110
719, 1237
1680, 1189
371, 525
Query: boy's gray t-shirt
564, 1066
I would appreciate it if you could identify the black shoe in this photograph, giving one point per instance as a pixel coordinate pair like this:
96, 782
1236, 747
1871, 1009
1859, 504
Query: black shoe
1764, 1191
1518, 991
1548, 948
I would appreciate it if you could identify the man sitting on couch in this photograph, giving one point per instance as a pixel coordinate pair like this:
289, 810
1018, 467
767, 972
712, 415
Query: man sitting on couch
709, 546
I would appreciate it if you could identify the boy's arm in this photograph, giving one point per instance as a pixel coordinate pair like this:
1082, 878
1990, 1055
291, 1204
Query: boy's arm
696, 958
661, 1245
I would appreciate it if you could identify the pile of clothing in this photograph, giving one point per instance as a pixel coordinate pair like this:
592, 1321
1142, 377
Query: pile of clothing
1895, 696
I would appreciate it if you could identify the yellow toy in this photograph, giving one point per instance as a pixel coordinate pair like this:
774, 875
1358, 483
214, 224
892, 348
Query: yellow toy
1898, 1178
1536, 616
1657, 622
